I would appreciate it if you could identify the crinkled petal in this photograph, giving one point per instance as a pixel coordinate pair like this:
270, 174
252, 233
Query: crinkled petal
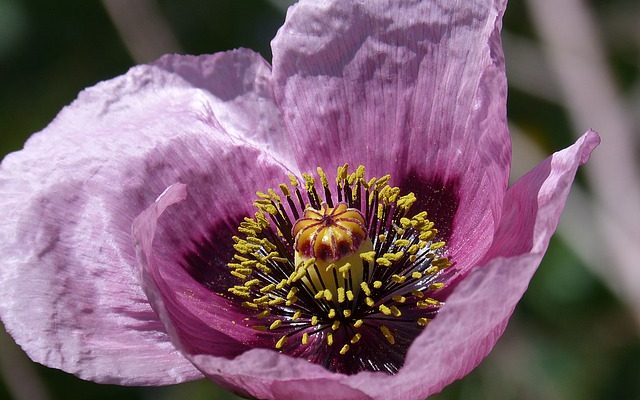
239, 83
413, 88
184, 254
71, 296
467, 327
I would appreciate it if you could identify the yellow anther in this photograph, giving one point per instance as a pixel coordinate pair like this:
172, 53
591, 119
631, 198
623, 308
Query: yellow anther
355, 338
323, 177
314, 320
413, 249
341, 295
393, 256
432, 270
305, 338
407, 201
426, 236
421, 215
383, 181
238, 275
241, 288
382, 237
418, 294
249, 304
285, 189
309, 181
335, 326
344, 349
296, 315
370, 184
350, 295
387, 334
437, 245
263, 195
282, 284
368, 256
342, 173
293, 180
264, 314
328, 295
344, 270
274, 195
384, 262
423, 321
395, 311
402, 243
384, 309
365, 288
263, 268
238, 257
332, 313
358, 323
399, 299
369, 301
346, 313
239, 293
292, 293
377, 284
426, 303
252, 282
268, 288
281, 342
380, 212
329, 339
275, 324
261, 299
330, 267
308, 263
398, 278
436, 286
319, 295
413, 258
441, 262
276, 301
416, 275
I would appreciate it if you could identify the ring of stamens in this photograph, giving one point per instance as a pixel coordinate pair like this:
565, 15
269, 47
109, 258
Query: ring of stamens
376, 261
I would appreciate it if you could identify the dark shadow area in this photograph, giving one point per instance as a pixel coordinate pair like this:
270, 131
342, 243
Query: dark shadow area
435, 196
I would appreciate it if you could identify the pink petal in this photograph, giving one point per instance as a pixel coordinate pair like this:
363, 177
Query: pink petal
191, 299
71, 296
414, 88
239, 83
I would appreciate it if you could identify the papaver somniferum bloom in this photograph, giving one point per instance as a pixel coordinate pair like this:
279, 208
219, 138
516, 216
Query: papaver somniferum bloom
336, 225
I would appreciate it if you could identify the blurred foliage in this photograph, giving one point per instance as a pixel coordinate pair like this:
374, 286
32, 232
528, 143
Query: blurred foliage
569, 339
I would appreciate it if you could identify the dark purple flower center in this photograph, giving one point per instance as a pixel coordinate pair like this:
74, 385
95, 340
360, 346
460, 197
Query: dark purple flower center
345, 282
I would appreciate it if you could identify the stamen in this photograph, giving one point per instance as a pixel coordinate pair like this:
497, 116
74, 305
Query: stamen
309, 263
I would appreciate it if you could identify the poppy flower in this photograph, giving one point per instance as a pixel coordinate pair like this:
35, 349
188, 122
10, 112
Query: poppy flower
338, 223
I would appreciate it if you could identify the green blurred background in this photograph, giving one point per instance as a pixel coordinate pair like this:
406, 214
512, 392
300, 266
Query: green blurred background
573, 64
